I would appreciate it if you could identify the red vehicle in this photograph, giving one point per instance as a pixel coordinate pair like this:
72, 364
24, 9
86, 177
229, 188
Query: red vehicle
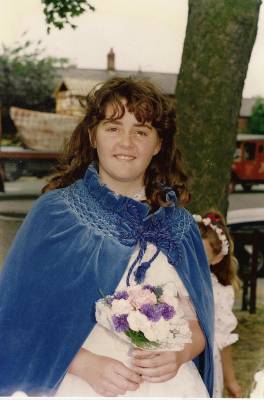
248, 165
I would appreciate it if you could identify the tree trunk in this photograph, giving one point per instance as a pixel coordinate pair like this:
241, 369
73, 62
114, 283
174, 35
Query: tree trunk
219, 39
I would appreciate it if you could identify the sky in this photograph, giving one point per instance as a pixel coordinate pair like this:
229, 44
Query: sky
145, 34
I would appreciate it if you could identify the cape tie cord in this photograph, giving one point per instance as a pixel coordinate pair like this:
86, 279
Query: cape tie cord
142, 249
142, 268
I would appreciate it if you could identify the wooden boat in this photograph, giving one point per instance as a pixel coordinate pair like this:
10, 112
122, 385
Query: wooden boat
42, 130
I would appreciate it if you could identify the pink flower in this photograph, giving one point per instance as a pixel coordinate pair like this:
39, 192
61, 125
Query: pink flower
138, 297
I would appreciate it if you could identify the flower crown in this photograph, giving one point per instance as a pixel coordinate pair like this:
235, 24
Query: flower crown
211, 221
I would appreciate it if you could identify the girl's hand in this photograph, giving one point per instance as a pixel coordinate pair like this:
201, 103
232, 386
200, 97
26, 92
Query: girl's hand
160, 367
230, 382
233, 388
108, 377
154, 366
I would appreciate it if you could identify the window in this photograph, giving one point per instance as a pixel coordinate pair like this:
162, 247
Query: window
249, 151
261, 148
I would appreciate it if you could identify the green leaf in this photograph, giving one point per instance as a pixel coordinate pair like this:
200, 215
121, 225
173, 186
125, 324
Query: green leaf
139, 340
58, 13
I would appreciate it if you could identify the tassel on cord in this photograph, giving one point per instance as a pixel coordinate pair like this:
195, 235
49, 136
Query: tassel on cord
142, 268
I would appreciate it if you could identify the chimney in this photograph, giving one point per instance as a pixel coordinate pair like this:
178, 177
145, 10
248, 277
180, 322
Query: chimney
111, 60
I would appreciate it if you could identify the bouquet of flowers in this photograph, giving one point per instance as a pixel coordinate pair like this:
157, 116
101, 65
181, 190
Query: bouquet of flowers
149, 317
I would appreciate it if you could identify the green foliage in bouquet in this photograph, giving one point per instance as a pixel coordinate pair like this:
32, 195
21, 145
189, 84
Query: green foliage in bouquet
139, 340
158, 292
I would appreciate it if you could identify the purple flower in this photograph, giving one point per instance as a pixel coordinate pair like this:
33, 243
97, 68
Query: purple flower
120, 322
121, 295
168, 311
149, 287
155, 311
152, 311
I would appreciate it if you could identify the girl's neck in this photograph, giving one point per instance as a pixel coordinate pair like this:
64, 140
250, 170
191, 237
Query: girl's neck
135, 191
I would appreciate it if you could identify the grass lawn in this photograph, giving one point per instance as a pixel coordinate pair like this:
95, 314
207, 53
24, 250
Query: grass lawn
248, 352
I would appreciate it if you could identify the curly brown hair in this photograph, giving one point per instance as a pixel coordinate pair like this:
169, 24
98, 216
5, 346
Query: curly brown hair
148, 104
226, 269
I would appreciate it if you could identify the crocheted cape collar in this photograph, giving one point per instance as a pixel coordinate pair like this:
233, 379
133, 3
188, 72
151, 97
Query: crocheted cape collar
119, 203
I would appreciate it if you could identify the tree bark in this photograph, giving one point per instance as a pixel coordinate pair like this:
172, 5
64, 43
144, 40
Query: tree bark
219, 39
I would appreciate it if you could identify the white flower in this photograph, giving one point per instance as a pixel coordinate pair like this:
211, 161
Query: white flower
197, 218
137, 321
140, 296
161, 329
150, 333
170, 290
121, 306
206, 221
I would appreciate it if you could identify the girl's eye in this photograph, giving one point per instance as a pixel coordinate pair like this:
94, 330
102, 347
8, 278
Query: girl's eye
112, 129
141, 133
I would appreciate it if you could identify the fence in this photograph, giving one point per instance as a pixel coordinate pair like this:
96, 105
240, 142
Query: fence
249, 275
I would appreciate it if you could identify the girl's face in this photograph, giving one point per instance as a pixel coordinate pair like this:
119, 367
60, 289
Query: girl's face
125, 148
212, 258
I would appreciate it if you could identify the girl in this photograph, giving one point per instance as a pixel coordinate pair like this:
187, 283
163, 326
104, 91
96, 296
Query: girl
219, 250
109, 218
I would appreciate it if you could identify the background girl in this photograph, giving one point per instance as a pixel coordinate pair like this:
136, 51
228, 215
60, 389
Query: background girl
219, 250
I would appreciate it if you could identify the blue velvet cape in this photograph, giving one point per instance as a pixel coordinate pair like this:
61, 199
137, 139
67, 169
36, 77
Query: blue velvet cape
72, 249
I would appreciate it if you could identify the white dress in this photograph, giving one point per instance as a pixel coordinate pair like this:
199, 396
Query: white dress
225, 323
187, 382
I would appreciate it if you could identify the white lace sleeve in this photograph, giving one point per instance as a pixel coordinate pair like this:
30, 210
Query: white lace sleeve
186, 303
188, 308
225, 320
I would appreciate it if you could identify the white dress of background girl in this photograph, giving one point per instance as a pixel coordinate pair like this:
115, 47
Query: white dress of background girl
225, 323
